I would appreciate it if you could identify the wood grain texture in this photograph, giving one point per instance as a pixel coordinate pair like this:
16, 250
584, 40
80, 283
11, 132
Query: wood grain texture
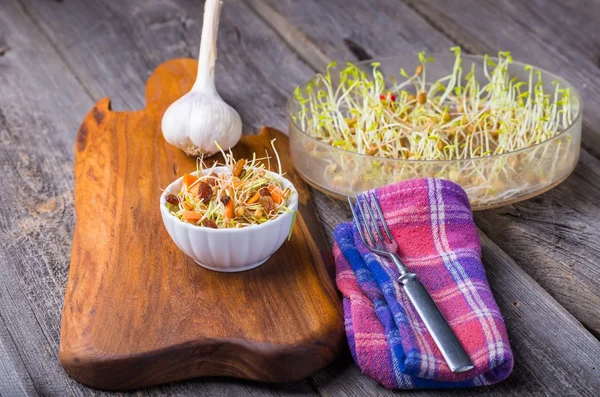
328, 25
71, 48
547, 341
570, 271
354, 30
42, 105
36, 215
168, 318
114, 47
554, 236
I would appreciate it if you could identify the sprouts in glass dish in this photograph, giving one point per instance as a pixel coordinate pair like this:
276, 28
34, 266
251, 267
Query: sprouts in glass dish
503, 130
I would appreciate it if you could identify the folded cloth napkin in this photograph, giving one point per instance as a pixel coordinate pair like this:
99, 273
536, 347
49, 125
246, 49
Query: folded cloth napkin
431, 220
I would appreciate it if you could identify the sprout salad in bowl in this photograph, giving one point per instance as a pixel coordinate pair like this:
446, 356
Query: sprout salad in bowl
236, 194
233, 215
503, 130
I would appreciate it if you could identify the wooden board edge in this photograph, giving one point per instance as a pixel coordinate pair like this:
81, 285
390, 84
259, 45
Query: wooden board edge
87, 366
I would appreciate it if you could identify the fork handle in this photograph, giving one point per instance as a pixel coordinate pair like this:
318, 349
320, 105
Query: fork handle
438, 327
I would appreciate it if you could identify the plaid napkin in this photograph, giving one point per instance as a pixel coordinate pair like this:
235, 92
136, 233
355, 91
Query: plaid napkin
432, 223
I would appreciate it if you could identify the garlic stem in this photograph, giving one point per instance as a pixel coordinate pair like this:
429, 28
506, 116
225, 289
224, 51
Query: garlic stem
205, 80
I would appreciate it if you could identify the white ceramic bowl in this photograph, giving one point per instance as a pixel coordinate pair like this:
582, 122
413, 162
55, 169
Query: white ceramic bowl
229, 250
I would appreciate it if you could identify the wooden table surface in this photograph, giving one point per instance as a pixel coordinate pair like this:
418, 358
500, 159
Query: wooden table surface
57, 58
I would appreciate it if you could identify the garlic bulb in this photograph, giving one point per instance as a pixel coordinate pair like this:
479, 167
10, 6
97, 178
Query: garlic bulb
200, 119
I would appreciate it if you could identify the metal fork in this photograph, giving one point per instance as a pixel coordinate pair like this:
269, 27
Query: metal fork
438, 327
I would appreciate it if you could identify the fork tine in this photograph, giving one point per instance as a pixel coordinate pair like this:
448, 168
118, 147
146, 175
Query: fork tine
366, 221
380, 212
374, 222
358, 224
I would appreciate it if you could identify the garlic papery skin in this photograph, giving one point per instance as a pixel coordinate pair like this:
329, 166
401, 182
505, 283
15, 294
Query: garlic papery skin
197, 122
200, 121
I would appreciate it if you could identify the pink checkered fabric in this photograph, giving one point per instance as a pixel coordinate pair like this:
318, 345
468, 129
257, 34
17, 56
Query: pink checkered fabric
432, 223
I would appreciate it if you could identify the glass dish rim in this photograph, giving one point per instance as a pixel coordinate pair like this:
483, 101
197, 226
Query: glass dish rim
575, 92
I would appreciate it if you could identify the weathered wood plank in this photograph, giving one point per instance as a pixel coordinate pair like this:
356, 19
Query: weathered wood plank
113, 47
550, 345
36, 216
554, 237
306, 18
172, 38
322, 31
570, 273
14, 378
41, 107
225, 387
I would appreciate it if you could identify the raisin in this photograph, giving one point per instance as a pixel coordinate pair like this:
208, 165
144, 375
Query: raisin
264, 191
172, 199
210, 223
204, 192
212, 179
268, 204
225, 199
238, 167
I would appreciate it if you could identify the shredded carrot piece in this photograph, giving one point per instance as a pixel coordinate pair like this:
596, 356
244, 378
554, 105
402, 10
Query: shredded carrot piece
191, 215
275, 194
188, 179
253, 199
228, 213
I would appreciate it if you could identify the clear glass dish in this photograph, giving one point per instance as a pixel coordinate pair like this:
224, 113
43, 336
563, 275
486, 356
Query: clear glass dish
489, 181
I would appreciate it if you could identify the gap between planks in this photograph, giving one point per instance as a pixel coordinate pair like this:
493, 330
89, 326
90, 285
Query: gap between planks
293, 37
51, 44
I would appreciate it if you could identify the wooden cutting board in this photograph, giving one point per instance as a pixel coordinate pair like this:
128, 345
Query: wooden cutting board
139, 312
